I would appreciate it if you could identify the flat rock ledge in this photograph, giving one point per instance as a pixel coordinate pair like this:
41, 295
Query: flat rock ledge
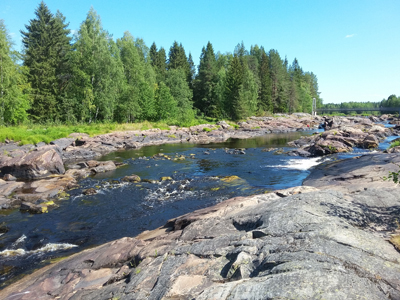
300, 243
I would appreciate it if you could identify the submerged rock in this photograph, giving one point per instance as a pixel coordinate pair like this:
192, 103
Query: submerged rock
89, 191
33, 208
131, 178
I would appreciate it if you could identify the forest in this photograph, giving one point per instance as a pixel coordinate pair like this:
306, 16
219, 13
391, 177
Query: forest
88, 77
391, 101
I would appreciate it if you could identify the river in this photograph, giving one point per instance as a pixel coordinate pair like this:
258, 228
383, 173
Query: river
200, 176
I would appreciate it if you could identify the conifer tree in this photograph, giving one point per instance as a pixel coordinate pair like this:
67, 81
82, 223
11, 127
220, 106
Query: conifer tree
234, 81
192, 71
158, 62
206, 80
177, 60
265, 101
278, 73
46, 47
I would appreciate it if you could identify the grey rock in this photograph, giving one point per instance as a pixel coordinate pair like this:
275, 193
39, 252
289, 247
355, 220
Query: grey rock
310, 244
35, 164
63, 143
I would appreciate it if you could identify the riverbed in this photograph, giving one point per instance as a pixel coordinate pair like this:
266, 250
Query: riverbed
195, 176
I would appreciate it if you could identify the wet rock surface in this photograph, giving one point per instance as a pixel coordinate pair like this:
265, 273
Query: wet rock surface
309, 242
342, 134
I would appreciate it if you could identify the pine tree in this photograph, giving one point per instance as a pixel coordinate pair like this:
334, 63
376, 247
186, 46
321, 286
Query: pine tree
13, 102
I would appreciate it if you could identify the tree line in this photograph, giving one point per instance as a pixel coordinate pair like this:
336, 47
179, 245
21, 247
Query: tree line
391, 101
91, 77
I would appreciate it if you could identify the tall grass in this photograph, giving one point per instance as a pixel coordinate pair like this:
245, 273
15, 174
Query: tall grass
33, 134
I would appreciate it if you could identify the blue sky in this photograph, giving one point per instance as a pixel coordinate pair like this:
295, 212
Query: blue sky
352, 46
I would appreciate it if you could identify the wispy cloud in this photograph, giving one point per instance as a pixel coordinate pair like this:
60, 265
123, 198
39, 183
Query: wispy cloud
350, 35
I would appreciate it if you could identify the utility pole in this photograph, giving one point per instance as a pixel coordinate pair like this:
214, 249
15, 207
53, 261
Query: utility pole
314, 107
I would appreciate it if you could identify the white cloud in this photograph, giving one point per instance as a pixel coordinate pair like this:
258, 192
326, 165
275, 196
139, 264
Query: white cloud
350, 35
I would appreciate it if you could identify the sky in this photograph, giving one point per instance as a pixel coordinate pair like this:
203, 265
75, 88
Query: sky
352, 46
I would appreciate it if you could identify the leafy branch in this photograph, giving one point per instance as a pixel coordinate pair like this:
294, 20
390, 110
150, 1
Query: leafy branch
393, 176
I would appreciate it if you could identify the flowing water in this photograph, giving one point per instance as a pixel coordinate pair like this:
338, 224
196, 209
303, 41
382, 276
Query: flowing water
199, 176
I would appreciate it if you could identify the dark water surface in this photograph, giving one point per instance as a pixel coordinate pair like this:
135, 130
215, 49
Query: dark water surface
126, 209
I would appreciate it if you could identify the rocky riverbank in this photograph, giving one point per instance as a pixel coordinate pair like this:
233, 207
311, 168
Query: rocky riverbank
342, 134
33, 175
336, 237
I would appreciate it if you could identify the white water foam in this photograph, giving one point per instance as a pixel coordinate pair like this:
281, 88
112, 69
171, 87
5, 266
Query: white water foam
51, 247
20, 240
301, 164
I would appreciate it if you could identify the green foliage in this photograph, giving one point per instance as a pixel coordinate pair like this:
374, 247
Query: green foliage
99, 80
180, 91
167, 107
46, 49
14, 89
100, 71
394, 176
395, 144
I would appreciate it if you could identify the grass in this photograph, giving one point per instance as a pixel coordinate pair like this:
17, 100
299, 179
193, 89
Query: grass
33, 134
395, 144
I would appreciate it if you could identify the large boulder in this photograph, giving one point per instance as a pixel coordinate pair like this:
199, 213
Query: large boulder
39, 163
325, 147
370, 142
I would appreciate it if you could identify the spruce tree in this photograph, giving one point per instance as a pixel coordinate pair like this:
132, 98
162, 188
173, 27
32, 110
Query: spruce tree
234, 81
265, 101
279, 82
177, 60
46, 51
158, 62
192, 71
206, 80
